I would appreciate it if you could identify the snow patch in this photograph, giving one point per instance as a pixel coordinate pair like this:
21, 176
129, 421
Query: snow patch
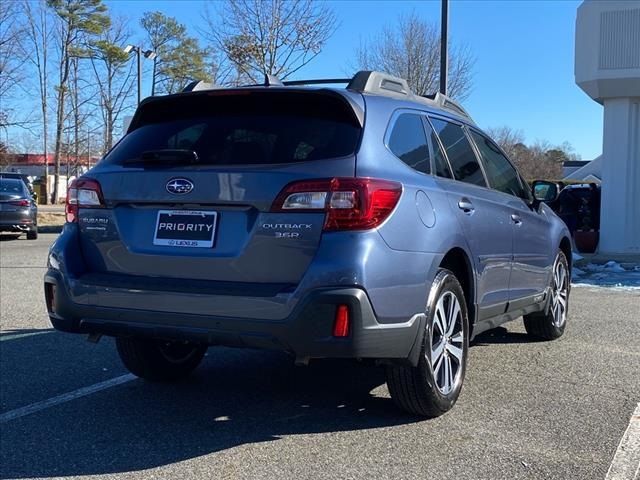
611, 274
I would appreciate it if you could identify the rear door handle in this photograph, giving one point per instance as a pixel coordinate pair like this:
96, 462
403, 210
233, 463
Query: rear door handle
516, 219
465, 205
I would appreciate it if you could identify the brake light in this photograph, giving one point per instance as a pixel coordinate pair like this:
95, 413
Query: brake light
83, 192
21, 203
350, 203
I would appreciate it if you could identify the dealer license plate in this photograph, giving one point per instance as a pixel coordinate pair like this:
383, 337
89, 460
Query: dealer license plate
185, 228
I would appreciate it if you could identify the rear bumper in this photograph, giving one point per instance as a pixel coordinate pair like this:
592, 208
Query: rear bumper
22, 226
306, 332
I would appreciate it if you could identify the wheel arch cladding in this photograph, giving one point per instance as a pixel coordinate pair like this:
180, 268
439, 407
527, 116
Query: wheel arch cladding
457, 261
565, 246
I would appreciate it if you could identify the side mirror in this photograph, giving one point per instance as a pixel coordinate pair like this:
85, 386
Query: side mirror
544, 191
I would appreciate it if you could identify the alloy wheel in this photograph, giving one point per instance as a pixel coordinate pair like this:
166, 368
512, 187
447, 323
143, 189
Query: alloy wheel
559, 294
447, 343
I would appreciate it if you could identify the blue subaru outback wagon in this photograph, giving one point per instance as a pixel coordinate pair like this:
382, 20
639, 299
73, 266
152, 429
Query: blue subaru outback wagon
366, 222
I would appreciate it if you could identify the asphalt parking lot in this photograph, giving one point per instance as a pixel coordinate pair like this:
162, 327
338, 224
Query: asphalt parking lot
528, 409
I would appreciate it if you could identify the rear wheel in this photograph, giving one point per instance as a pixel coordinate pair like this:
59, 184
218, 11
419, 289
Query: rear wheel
32, 234
158, 360
550, 324
432, 387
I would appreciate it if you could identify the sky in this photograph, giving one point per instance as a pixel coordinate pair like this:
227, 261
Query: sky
523, 75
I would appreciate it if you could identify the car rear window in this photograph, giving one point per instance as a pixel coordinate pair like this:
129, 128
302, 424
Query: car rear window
242, 128
10, 187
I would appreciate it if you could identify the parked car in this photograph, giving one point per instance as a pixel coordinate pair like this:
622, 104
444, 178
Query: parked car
18, 210
19, 176
366, 222
578, 205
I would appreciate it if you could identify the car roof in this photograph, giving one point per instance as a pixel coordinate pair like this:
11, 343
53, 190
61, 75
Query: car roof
372, 86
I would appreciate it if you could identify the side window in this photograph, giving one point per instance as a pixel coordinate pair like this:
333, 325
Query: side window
439, 160
460, 153
408, 142
502, 175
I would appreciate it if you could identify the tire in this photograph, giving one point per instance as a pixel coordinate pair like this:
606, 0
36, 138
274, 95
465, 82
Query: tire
423, 390
159, 361
32, 234
550, 324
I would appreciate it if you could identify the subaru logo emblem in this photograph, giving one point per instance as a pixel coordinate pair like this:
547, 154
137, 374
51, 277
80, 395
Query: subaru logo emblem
179, 186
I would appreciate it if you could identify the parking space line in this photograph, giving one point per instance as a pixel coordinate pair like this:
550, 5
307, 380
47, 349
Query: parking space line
626, 461
12, 336
65, 397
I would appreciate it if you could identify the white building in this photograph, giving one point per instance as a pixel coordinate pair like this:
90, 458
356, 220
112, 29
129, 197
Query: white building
607, 68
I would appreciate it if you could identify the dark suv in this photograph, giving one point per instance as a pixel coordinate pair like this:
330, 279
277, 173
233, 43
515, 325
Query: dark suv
365, 222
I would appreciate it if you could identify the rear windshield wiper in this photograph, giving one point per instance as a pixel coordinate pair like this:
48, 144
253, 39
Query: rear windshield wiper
166, 155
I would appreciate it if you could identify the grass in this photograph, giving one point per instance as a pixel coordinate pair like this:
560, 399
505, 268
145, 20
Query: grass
48, 219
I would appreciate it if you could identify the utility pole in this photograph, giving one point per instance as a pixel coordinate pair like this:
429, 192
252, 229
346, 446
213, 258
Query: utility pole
444, 56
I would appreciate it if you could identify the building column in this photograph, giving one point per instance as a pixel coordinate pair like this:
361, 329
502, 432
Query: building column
620, 210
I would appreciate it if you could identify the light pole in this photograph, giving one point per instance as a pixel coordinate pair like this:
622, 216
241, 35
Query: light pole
150, 54
444, 57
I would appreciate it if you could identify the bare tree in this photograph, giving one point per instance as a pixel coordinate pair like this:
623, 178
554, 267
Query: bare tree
12, 58
113, 75
37, 44
510, 140
274, 37
539, 160
410, 49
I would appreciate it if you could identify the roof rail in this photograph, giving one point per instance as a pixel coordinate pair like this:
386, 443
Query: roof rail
364, 81
443, 101
384, 84
319, 81
200, 85
378, 82
272, 80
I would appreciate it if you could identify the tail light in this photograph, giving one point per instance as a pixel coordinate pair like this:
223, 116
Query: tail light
83, 192
21, 203
350, 203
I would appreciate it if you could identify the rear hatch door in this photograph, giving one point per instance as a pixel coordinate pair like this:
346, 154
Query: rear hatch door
187, 193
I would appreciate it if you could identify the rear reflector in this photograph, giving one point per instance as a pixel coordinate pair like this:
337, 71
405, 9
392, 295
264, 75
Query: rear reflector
341, 324
350, 203
50, 297
83, 192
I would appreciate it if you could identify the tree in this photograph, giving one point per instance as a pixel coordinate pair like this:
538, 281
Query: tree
75, 20
12, 58
270, 37
539, 160
37, 44
510, 140
411, 50
179, 58
6, 157
182, 65
113, 75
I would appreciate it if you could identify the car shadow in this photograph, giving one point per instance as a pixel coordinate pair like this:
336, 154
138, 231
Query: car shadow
500, 335
7, 237
236, 397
